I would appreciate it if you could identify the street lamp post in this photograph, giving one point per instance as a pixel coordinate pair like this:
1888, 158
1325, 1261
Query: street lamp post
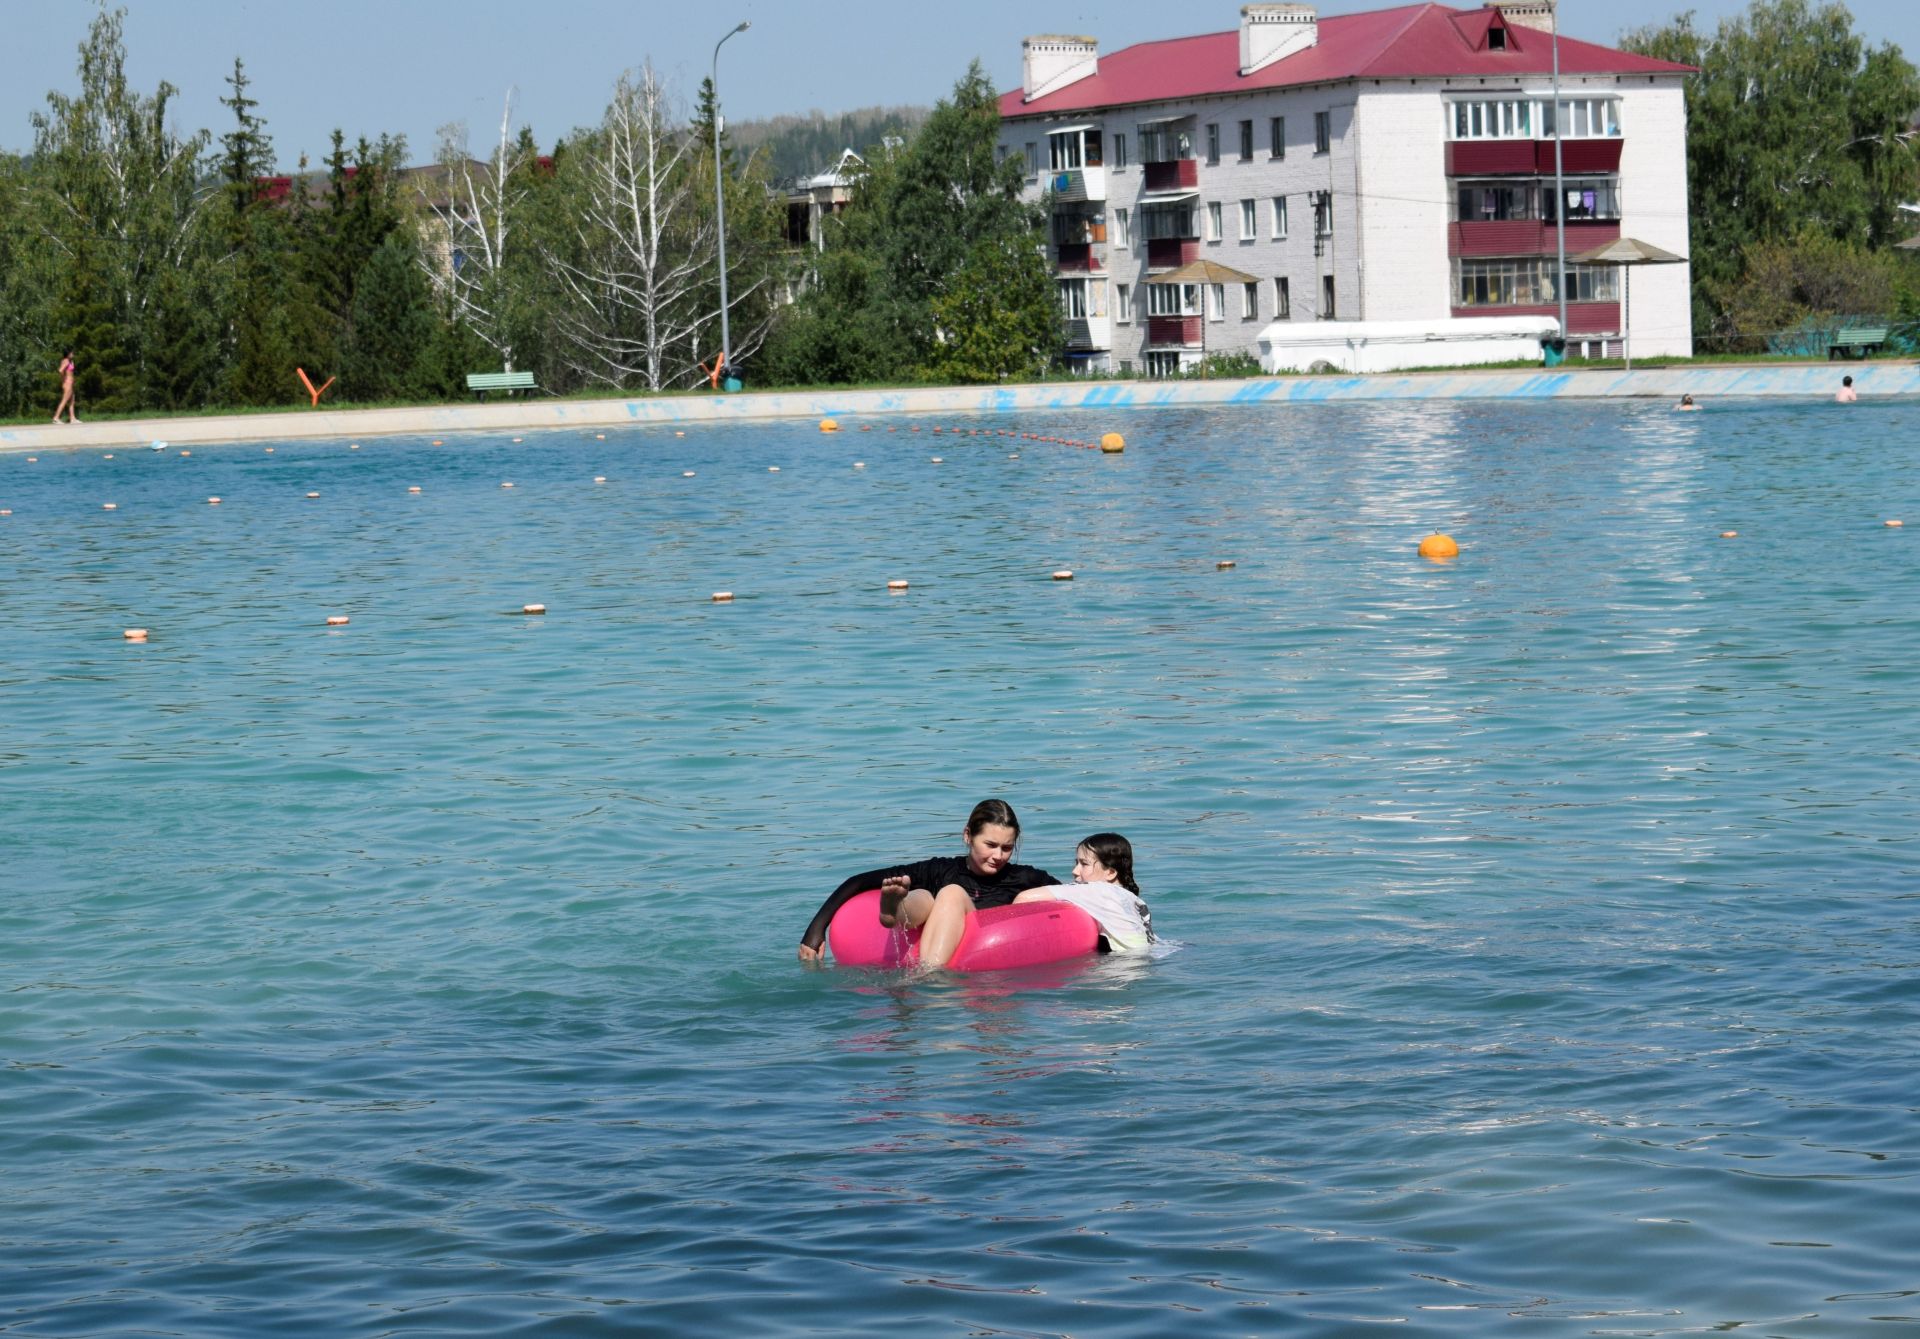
720, 201
1559, 186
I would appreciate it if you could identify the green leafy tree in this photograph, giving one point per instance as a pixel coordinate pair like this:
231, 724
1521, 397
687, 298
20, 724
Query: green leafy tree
104, 379
1794, 127
936, 230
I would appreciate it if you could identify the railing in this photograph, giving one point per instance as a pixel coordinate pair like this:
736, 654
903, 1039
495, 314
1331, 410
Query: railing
1081, 258
1090, 332
1179, 174
1173, 332
1531, 157
1526, 237
1169, 253
1076, 184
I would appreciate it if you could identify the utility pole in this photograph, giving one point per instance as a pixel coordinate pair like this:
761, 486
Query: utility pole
1559, 187
720, 198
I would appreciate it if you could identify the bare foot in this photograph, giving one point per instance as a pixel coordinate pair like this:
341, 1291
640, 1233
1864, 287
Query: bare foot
890, 900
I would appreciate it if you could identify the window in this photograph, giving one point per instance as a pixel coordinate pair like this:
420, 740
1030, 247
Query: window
1166, 364
1119, 151
1495, 201
1587, 198
1496, 39
1529, 283
1282, 300
1033, 159
1250, 301
1523, 118
1126, 367
1123, 304
1173, 299
1249, 224
1122, 229
1246, 141
1583, 118
1165, 221
1276, 137
1213, 143
1092, 147
1279, 217
1323, 214
1063, 152
1326, 298
1216, 302
1073, 299
1323, 132
1213, 220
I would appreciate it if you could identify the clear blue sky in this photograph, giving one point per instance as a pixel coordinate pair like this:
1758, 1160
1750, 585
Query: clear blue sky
410, 66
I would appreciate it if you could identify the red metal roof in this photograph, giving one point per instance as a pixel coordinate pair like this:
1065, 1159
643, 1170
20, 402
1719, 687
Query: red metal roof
1412, 41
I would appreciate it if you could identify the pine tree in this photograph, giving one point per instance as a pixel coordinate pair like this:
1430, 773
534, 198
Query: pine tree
392, 325
103, 380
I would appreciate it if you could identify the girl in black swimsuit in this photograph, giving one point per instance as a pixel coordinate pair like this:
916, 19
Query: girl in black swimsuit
940, 893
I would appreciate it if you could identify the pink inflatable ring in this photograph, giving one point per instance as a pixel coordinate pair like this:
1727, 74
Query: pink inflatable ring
995, 940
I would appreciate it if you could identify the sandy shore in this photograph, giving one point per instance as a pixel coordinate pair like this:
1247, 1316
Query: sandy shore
1807, 381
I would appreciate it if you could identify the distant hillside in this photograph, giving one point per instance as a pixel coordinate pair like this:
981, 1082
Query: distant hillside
799, 146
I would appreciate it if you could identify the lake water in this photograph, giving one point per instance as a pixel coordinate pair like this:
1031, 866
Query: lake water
1546, 958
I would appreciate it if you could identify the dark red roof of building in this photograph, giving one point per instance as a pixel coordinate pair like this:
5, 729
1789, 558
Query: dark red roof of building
1412, 41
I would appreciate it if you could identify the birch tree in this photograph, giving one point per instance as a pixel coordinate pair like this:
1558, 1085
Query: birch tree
639, 246
468, 262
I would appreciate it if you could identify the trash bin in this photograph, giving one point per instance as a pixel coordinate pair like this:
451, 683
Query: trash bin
730, 384
1554, 351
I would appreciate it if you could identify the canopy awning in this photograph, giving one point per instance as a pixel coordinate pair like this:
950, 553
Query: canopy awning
1626, 251
1167, 197
1067, 130
1203, 272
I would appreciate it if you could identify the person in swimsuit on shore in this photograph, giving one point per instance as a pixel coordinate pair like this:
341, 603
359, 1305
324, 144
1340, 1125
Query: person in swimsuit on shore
1103, 887
939, 894
66, 390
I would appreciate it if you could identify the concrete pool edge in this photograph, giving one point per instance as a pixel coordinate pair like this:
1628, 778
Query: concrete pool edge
1805, 381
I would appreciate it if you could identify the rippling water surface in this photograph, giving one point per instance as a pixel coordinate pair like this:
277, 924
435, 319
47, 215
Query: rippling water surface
1547, 958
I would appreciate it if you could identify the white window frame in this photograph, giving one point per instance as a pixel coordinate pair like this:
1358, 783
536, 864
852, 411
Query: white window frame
1213, 220
1123, 304
1073, 293
1250, 301
1216, 302
1249, 220
1122, 229
1282, 299
1322, 132
1279, 218
1119, 149
1185, 299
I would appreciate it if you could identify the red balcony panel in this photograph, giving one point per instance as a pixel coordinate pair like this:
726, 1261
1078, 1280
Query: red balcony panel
1180, 174
1525, 237
1173, 332
1076, 258
1578, 155
1170, 253
1492, 158
1583, 318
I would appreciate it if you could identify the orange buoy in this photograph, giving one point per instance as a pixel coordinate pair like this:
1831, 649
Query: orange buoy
33, 460
1439, 546
866, 427
1895, 525
337, 620
186, 453
313, 495
213, 502
436, 441
828, 425
507, 484
773, 469
599, 478
686, 474
679, 434
108, 456
269, 450
135, 634
896, 585
936, 460
516, 440
1063, 575
109, 506
1729, 534
859, 464
413, 488
722, 596
533, 609
1014, 456
355, 446
6, 511
1223, 565
599, 437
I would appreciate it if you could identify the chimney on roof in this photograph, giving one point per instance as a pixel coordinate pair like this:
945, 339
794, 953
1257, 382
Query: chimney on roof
1050, 62
1272, 32
1534, 14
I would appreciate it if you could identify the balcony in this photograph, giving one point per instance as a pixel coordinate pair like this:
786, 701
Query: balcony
1526, 237
1077, 185
1081, 258
1170, 253
1583, 318
1089, 332
1181, 174
1531, 157
1173, 332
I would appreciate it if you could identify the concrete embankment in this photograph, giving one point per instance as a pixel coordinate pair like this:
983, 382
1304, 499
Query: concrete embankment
1704, 382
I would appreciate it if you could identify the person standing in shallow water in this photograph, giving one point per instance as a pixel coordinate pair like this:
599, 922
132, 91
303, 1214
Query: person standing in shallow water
1846, 394
939, 894
66, 390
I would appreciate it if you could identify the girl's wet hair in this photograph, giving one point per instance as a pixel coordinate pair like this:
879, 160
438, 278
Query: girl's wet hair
1116, 853
993, 811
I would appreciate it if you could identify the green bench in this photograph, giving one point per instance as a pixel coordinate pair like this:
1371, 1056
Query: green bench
1856, 341
482, 382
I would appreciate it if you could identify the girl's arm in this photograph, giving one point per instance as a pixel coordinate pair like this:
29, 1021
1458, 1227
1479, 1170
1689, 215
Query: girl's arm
811, 943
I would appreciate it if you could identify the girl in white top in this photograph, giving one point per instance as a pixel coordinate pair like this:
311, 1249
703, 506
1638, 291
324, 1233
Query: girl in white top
1103, 887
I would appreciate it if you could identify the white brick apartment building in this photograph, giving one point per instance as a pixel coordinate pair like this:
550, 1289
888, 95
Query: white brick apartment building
1395, 166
